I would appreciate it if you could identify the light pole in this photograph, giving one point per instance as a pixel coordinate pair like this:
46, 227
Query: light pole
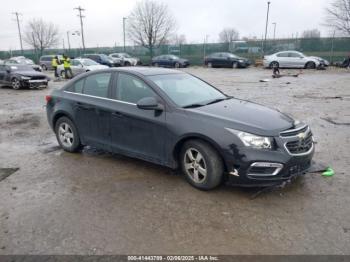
267, 21
205, 44
124, 18
81, 25
274, 30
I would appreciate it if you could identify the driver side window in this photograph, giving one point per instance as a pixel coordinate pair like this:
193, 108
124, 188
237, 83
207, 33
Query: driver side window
131, 89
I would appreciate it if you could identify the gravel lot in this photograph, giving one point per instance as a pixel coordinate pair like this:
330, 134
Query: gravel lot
99, 203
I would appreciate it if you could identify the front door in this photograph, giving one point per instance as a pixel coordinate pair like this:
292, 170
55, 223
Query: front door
136, 132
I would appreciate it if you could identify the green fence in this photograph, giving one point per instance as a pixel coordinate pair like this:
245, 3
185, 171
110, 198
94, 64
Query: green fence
333, 49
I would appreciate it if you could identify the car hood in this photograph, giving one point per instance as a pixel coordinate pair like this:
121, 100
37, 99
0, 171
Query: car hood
246, 116
29, 73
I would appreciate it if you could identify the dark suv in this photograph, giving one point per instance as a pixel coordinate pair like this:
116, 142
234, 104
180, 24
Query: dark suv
175, 119
102, 59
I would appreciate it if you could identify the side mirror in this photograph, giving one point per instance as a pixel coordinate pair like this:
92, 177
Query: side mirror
149, 103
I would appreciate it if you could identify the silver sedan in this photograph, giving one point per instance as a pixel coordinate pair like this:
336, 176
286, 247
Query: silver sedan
290, 59
81, 65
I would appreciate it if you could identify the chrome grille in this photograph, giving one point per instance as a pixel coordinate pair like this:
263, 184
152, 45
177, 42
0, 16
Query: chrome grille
294, 132
300, 146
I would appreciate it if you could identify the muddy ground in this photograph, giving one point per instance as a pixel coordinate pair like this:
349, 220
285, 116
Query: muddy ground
98, 203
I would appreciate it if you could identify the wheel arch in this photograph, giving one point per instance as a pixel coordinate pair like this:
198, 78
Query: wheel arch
179, 144
60, 114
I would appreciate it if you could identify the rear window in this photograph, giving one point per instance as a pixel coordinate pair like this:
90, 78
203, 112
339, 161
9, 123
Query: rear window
77, 87
97, 85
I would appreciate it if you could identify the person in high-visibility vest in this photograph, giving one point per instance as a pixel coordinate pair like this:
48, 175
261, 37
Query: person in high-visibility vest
67, 69
54, 64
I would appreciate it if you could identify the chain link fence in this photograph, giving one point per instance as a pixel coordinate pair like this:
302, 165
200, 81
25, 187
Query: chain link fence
332, 49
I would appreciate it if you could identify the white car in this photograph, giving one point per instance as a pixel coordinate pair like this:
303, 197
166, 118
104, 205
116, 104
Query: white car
290, 59
126, 59
81, 65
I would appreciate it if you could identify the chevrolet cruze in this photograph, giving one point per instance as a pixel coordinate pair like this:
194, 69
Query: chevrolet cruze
175, 119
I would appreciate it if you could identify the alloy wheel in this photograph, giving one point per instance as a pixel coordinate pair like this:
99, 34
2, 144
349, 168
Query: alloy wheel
195, 165
65, 134
16, 84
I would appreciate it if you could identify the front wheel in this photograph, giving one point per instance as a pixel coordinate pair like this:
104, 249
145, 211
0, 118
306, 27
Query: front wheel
310, 65
274, 64
210, 65
234, 65
177, 65
16, 84
201, 165
67, 135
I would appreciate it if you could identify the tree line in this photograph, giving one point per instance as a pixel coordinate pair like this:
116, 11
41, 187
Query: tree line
151, 24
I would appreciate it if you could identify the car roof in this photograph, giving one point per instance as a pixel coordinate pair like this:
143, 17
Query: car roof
148, 71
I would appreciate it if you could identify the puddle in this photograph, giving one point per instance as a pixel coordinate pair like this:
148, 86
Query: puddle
5, 172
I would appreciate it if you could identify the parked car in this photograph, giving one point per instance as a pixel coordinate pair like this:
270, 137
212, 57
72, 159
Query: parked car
174, 119
19, 76
225, 59
81, 65
290, 59
46, 60
125, 59
102, 59
23, 61
169, 61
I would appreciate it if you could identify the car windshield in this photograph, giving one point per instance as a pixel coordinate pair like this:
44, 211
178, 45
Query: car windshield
125, 55
173, 57
88, 62
21, 68
104, 57
232, 55
186, 90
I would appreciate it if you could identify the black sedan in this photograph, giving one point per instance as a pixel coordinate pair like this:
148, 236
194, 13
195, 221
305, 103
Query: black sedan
169, 61
19, 76
177, 120
226, 60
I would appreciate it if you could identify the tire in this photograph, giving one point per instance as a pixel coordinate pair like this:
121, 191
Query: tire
274, 64
127, 64
310, 65
156, 64
210, 65
16, 84
67, 135
177, 65
201, 165
44, 67
234, 65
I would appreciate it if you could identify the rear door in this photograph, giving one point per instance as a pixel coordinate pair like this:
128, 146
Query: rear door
283, 59
137, 132
93, 109
296, 60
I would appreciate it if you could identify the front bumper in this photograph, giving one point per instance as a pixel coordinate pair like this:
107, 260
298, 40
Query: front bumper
35, 83
257, 167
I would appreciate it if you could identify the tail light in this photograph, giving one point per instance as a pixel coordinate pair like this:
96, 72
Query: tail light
48, 98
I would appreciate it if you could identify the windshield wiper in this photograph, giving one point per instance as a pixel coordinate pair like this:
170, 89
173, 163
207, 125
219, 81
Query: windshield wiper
218, 100
193, 105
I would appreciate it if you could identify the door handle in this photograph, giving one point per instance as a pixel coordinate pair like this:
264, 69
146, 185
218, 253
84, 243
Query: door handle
84, 106
117, 114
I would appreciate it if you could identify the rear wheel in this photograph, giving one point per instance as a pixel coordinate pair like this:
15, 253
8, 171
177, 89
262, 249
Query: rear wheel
16, 84
201, 165
234, 65
176, 65
310, 65
210, 65
67, 135
44, 67
127, 63
274, 64
156, 64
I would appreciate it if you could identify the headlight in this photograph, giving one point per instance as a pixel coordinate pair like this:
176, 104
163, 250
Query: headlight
253, 140
240, 60
25, 77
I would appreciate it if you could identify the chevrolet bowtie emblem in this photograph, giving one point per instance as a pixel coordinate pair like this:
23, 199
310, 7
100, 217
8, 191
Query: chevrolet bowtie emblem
301, 135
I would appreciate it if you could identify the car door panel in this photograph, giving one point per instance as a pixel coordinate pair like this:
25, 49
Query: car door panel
136, 132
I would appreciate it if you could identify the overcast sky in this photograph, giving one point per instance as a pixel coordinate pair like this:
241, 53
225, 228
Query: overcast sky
195, 18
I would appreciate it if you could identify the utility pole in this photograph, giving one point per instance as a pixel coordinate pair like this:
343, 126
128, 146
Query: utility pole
124, 18
68, 40
274, 30
19, 30
267, 21
81, 25
205, 45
